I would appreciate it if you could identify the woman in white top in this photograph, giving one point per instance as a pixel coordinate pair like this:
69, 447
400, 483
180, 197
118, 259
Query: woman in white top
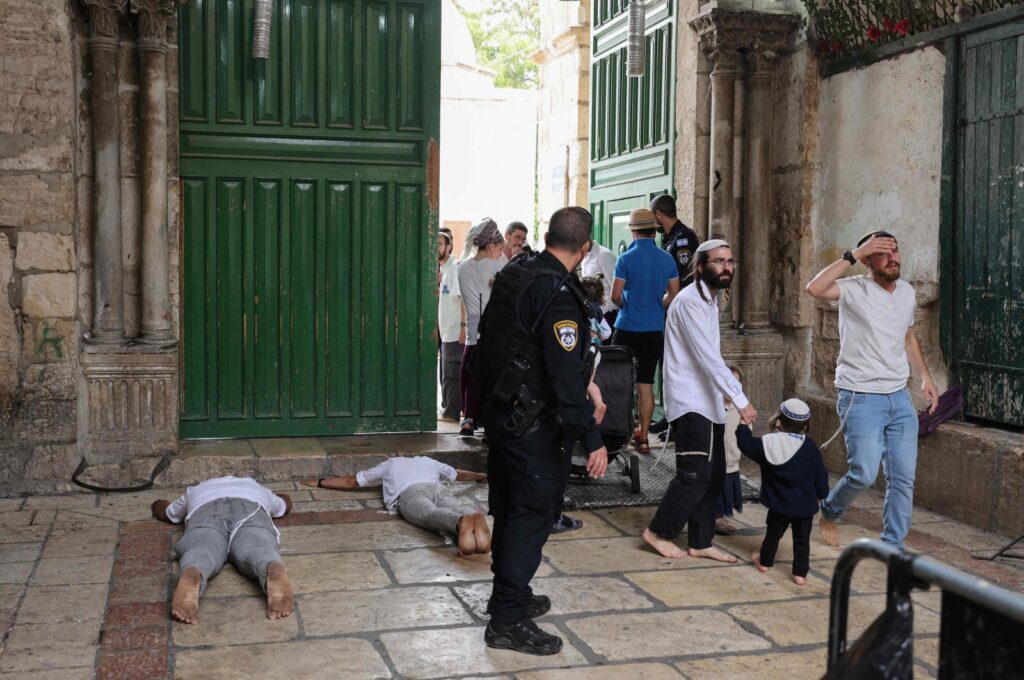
477, 268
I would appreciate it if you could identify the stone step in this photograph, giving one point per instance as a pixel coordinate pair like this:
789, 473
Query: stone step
284, 459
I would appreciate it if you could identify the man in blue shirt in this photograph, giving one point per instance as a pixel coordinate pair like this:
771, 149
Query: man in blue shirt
646, 280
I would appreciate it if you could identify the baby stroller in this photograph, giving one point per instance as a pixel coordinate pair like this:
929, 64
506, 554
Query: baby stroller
616, 376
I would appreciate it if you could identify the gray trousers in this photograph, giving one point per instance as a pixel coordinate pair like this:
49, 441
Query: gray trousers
426, 506
451, 391
205, 543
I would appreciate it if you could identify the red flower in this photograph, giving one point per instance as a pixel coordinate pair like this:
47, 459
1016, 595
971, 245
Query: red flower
903, 27
874, 33
835, 47
888, 25
822, 45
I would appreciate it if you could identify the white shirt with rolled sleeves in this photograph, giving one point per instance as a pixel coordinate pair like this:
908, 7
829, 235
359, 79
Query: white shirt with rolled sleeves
449, 302
695, 376
398, 474
873, 326
600, 260
215, 489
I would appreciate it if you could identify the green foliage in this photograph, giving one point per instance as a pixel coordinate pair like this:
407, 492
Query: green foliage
506, 33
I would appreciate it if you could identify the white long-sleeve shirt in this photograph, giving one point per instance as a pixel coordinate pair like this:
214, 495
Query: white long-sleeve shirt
695, 376
398, 474
600, 260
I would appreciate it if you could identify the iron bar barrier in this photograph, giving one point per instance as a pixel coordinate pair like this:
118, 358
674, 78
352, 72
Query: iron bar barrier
923, 571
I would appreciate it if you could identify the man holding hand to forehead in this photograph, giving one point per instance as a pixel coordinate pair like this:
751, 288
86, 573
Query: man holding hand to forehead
696, 379
877, 347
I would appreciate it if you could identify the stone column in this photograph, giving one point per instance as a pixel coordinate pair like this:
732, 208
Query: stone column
702, 150
726, 61
152, 46
756, 273
108, 292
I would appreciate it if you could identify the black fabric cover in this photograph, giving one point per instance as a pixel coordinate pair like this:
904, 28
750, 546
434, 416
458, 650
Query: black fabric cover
615, 378
885, 650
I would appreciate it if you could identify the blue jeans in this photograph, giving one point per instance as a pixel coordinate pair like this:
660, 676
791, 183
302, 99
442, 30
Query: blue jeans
879, 428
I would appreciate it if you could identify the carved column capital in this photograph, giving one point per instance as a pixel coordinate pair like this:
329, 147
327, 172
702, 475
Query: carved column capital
154, 16
726, 61
746, 32
103, 20
762, 60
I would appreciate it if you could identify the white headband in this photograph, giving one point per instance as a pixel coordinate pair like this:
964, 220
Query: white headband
712, 244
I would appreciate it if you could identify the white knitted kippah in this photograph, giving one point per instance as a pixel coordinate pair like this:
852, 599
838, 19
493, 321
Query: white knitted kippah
712, 244
795, 409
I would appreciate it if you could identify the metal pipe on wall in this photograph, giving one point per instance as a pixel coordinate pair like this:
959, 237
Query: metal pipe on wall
263, 15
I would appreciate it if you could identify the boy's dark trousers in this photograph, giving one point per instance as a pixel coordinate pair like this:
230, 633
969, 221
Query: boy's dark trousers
776, 529
692, 493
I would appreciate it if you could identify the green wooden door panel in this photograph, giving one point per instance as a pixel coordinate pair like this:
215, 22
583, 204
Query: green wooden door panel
307, 274
987, 324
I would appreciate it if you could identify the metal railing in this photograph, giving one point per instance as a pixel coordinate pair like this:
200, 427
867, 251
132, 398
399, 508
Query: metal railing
841, 28
987, 606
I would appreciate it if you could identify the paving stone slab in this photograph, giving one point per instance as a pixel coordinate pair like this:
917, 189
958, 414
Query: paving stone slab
442, 565
82, 673
800, 623
19, 518
317, 573
16, 573
372, 610
79, 501
216, 447
962, 536
20, 552
11, 504
744, 544
607, 555
10, 595
24, 534
633, 671
290, 467
632, 520
44, 518
228, 583
423, 654
569, 595
593, 527
779, 665
134, 665
32, 647
622, 637
368, 493
734, 584
139, 589
355, 537
326, 506
63, 604
73, 570
305, 660
233, 621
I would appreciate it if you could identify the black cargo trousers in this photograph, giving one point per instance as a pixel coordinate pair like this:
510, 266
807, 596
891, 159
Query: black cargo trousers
527, 477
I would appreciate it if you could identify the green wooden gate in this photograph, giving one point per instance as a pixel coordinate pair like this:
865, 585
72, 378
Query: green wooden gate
985, 256
632, 130
308, 272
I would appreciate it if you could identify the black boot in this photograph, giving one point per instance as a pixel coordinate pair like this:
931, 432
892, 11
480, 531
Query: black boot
537, 605
660, 426
525, 637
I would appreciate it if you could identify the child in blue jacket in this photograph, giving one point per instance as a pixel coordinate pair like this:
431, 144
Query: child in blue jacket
793, 482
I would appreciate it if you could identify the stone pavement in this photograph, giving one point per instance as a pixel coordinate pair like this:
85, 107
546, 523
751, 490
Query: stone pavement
85, 583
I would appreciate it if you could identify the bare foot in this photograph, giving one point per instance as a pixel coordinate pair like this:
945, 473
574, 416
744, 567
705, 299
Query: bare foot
482, 533
799, 580
829, 531
661, 546
279, 592
467, 539
755, 557
712, 553
185, 605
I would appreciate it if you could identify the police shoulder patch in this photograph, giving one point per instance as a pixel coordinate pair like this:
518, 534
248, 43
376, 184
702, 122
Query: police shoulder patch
567, 333
683, 256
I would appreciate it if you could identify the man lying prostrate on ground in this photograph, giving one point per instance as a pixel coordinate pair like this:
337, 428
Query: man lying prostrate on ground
412, 487
228, 518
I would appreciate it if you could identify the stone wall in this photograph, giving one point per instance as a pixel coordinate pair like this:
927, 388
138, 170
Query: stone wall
46, 230
563, 140
39, 50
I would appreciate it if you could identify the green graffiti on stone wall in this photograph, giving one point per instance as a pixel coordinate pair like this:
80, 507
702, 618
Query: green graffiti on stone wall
48, 340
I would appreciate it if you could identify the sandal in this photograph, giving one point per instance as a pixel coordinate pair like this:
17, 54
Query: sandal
467, 429
642, 445
565, 523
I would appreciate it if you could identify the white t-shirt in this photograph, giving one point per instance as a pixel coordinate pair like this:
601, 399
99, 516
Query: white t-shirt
600, 260
398, 474
449, 302
211, 490
475, 278
873, 327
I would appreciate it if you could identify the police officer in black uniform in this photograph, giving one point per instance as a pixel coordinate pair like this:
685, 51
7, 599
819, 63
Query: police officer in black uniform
677, 239
534, 345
